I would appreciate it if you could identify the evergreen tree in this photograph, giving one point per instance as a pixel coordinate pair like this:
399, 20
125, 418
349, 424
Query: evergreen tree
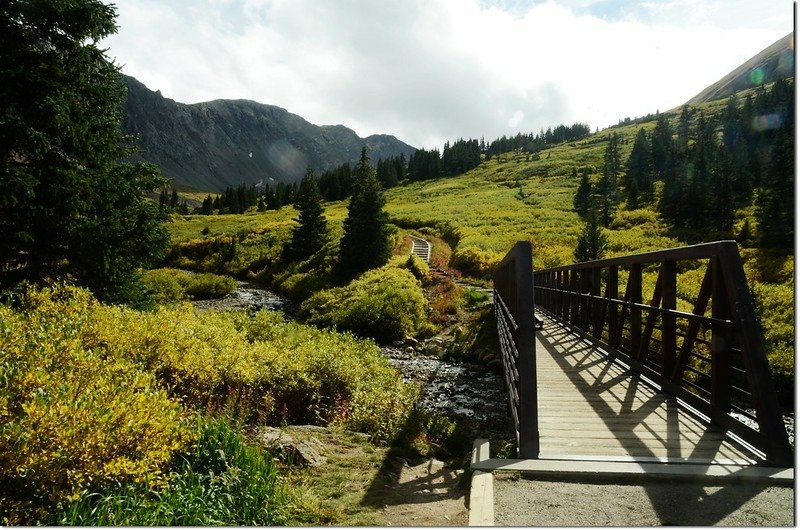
592, 242
174, 200
775, 199
365, 243
309, 236
163, 198
583, 196
722, 206
69, 206
684, 128
607, 190
661, 146
208, 206
639, 178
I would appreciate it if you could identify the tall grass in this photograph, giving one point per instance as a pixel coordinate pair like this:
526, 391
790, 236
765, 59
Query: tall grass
222, 481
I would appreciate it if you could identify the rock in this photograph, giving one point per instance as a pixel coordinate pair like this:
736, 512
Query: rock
286, 449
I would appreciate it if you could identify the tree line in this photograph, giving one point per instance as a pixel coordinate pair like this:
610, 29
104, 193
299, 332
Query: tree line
708, 166
533, 143
336, 184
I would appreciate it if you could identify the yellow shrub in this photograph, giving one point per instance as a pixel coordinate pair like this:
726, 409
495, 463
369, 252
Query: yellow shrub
73, 416
476, 262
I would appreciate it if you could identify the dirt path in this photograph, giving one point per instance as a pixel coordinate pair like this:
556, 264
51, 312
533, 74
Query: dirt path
648, 502
426, 494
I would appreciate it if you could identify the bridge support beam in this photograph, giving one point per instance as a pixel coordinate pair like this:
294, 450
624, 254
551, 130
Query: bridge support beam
513, 284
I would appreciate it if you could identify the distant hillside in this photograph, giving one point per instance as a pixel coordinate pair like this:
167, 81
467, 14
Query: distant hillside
774, 62
212, 145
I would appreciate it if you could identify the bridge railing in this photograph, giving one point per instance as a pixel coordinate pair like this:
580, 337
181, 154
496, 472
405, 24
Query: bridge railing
724, 376
513, 305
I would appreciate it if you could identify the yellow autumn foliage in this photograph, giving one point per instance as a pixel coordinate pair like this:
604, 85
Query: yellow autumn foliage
91, 393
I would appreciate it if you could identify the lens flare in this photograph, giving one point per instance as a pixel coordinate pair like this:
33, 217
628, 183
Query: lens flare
757, 75
766, 122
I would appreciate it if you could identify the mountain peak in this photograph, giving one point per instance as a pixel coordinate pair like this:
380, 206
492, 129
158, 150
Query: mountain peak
215, 144
773, 62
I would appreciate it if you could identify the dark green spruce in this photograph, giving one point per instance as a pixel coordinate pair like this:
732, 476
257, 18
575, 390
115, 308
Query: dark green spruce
69, 205
365, 244
311, 232
592, 241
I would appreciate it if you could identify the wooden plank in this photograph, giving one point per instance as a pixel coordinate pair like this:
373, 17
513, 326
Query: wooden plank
669, 289
590, 405
481, 492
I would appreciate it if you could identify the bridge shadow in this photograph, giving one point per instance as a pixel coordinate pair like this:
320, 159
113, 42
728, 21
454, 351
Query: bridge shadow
636, 421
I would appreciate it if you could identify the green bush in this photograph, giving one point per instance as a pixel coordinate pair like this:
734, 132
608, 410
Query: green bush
173, 285
164, 285
416, 266
94, 395
476, 262
385, 304
207, 285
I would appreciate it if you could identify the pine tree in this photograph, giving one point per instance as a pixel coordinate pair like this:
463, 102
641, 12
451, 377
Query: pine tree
661, 146
722, 205
583, 196
639, 177
365, 243
163, 198
607, 190
775, 200
69, 206
592, 242
311, 234
207, 208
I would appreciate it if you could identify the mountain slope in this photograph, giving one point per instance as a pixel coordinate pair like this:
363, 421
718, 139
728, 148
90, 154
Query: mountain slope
215, 144
773, 62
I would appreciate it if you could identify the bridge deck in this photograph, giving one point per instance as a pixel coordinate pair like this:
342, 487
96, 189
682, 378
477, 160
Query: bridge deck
589, 406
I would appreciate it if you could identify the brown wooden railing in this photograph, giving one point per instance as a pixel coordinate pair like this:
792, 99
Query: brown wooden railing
725, 377
513, 304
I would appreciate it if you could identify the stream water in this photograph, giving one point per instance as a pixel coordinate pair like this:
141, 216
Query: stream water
467, 393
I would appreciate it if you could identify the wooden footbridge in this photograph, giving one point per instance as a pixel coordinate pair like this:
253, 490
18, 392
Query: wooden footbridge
623, 374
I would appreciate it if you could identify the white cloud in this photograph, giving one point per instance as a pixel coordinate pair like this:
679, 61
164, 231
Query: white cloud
435, 70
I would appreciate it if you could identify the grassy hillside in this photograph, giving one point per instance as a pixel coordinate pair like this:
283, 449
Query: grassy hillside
516, 196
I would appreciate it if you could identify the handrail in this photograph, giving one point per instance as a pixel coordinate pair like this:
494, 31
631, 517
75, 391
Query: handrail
728, 374
513, 304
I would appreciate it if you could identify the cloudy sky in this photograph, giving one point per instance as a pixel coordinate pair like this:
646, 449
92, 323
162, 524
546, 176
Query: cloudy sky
428, 71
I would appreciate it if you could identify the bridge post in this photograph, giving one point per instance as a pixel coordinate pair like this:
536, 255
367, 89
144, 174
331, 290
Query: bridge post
514, 310
526, 343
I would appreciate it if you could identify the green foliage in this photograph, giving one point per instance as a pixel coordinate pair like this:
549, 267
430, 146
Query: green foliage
386, 304
221, 481
309, 236
173, 285
68, 204
417, 266
476, 262
592, 242
365, 243
94, 395
583, 196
